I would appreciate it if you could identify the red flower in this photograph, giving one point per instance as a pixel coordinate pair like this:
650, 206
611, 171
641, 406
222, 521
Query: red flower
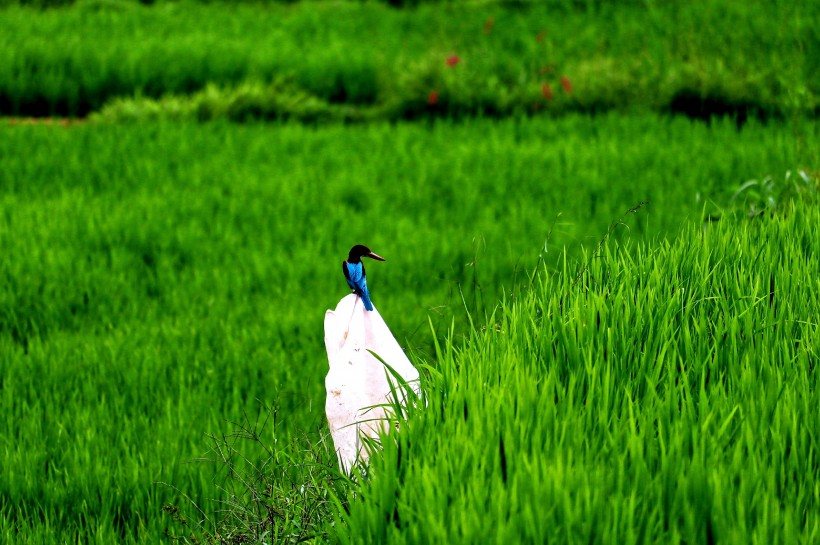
565, 83
432, 98
488, 26
452, 60
546, 91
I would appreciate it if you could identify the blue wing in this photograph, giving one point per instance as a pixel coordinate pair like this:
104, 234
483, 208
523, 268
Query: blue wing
356, 279
355, 275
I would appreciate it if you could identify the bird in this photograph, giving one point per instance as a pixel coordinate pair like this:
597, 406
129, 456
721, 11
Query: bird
354, 272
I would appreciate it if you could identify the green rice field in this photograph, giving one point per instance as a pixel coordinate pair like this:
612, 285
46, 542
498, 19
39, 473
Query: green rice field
163, 279
668, 394
611, 291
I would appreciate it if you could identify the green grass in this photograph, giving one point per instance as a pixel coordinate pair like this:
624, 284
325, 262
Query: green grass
757, 58
669, 396
159, 280
162, 283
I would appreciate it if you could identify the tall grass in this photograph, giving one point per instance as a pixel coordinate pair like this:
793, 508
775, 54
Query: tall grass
755, 58
669, 396
159, 281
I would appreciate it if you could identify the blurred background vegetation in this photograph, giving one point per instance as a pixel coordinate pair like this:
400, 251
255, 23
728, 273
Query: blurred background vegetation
365, 60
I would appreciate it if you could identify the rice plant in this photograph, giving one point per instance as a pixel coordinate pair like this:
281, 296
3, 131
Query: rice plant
670, 396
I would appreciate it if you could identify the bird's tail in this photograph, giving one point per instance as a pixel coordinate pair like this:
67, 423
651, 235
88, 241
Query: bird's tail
366, 299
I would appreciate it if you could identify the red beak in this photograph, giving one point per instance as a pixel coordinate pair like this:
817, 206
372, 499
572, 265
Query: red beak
371, 255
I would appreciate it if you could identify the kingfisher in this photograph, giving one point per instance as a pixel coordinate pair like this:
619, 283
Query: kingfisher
354, 272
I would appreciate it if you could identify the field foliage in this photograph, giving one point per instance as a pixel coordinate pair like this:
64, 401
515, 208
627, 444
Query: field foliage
162, 280
666, 393
310, 61
590, 375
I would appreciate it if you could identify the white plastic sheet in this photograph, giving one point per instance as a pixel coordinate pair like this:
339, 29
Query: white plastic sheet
358, 382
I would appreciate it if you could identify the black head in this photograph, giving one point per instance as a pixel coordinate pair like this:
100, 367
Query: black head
359, 251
